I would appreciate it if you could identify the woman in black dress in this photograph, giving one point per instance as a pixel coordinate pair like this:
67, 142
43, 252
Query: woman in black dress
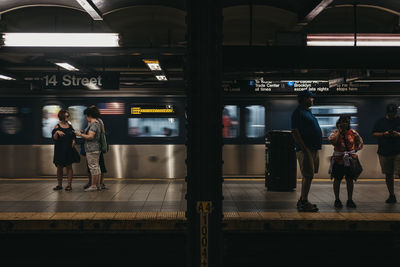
64, 141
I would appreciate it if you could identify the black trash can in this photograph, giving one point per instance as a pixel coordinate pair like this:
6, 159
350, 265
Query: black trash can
281, 165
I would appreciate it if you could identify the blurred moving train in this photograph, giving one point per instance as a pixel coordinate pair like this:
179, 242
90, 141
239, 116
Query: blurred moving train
147, 134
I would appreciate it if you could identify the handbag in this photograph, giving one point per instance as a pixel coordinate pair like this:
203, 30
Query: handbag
75, 156
83, 152
103, 143
355, 165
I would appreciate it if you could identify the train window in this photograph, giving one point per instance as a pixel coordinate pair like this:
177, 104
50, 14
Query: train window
9, 122
77, 118
153, 127
230, 120
327, 117
255, 121
49, 119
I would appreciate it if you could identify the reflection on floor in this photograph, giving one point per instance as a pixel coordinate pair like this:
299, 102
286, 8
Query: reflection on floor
168, 196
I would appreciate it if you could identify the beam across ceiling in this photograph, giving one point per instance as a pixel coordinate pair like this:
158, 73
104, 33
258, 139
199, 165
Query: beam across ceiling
91, 9
313, 14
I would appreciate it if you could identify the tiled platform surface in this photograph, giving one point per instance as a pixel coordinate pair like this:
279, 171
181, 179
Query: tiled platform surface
169, 196
160, 205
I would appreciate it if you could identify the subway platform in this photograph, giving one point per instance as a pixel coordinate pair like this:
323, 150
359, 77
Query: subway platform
138, 219
247, 205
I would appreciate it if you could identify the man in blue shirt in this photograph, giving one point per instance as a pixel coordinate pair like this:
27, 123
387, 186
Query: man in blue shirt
308, 137
387, 130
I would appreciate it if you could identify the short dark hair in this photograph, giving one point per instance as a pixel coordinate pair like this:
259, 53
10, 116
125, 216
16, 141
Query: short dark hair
62, 114
96, 110
343, 118
90, 112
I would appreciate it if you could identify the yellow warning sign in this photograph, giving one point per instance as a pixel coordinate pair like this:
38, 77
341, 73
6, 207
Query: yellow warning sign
139, 110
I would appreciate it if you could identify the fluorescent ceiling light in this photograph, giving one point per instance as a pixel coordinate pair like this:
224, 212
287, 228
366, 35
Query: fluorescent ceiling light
66, 66
154, 65
161, 77
4, 77
86, 5
348, 40
61, 39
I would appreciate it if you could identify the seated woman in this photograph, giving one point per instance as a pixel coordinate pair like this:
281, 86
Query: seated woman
346, 142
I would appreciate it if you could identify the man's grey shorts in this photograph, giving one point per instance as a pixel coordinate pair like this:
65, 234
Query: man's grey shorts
309, 163
390, 164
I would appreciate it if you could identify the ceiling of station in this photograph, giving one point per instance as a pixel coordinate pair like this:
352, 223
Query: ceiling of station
157, 29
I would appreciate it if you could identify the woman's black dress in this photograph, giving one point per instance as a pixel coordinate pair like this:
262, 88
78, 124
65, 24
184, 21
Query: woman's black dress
63, 153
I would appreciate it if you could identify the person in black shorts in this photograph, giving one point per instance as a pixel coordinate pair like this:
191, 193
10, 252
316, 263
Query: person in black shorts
346, 143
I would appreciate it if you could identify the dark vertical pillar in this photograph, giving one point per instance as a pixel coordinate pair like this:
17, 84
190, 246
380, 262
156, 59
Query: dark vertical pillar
204, 146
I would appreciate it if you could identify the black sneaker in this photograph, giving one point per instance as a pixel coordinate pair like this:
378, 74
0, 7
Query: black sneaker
391, 199
86, 186
57, 188
305, 206
103, 186
338, 204
300, 202
350, 204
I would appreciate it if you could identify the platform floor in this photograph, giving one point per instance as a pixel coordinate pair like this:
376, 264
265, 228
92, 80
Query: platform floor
168, 196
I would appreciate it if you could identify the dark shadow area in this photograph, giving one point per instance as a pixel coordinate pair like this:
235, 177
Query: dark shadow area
111, 249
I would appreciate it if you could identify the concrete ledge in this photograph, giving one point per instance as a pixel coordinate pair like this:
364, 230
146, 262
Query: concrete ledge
176, 221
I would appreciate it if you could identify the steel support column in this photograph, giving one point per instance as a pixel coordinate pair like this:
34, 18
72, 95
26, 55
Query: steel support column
204, 145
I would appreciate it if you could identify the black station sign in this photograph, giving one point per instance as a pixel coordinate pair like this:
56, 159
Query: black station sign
270, 87
75, 80
152, 110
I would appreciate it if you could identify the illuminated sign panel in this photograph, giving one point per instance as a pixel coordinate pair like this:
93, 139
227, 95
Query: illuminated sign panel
147, 109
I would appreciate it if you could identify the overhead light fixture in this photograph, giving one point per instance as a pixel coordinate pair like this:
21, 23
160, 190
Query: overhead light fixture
14, 39
89, 7
154, 65
365, 39
161, 77
4, 77
66, 66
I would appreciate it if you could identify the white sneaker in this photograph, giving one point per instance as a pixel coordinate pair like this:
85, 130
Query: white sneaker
90, 189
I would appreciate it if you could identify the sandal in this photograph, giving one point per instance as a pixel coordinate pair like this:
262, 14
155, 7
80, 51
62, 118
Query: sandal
57, 188
68, 188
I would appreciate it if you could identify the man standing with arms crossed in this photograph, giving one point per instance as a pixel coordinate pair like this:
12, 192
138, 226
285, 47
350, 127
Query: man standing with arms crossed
387, 130
307, 135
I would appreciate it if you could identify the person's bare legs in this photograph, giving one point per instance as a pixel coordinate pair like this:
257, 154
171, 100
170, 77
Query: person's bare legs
350, 188
305, 188
390, 183
59, 175
336, 188
69, 175
95, 180
102, 178
89, 183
